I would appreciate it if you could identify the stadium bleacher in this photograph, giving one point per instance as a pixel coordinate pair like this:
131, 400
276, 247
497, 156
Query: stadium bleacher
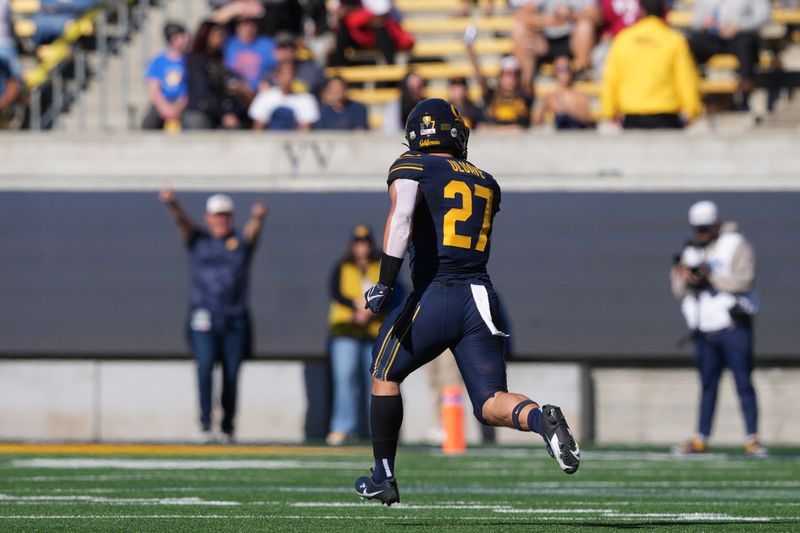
438, 55
438, 31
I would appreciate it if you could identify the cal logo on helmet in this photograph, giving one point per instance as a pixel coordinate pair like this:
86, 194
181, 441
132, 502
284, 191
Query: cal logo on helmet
435, 125
428, 126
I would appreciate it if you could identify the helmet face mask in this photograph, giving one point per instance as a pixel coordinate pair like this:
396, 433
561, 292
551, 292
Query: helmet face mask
435, 125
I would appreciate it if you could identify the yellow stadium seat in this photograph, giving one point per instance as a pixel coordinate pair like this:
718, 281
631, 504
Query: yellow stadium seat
379, 97
683, 18
456, 47
456, 25
429, 71
25, 7
425, 6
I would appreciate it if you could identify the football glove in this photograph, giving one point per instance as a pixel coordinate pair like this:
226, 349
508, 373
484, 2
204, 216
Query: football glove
376, 297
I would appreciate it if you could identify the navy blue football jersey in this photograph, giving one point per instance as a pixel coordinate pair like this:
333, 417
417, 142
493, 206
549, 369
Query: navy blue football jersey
452, 225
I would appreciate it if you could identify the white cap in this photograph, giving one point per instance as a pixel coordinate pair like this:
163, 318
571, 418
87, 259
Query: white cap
703, 213
509, 63
377, 7
219, 203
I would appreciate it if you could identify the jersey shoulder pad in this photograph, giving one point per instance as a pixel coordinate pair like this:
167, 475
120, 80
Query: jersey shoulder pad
408, 166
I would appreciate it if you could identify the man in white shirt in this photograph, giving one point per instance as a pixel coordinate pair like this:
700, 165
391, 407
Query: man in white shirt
280, 107
714, 280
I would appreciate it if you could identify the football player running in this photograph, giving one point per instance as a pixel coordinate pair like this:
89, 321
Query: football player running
442, 209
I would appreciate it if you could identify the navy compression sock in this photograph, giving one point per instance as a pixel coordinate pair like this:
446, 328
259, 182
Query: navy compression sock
386, 416
535, 420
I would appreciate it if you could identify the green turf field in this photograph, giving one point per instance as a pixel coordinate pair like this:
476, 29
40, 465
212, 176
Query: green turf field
310, 489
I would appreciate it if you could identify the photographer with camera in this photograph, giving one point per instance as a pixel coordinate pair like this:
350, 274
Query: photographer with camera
713, 277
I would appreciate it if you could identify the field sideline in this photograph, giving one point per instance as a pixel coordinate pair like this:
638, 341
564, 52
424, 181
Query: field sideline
46, 487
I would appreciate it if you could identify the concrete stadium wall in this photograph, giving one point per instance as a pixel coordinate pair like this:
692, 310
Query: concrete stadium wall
156, 401
634, 406
761, 161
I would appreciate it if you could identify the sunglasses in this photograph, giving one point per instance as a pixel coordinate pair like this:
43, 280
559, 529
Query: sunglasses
702, 229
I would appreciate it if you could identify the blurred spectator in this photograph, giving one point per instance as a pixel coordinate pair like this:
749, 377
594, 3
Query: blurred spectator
8, 48
730, 27
353, 329
249, 55
217, 97
10, 89
546, 29
52, 17
279, 108
218, 325
458, 95
508, 105
412, 92
617, 15
166, 80
308, 77
338, 112
713, 277
317, 32
369, 24
650, 77
570, 108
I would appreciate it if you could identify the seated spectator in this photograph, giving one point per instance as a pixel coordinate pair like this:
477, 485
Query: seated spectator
318, 36
278, 108
412, 92
166, 80
308, 76
508, 104
338, 112
249, 55
570, 108
650, 77
458, 95
730, 27
369, 24
546, 29
10, 89
52, 17
8, 48
617, 15
217, 97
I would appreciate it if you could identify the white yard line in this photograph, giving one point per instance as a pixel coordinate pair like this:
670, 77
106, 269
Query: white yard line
626, 518
6, 498
189, 464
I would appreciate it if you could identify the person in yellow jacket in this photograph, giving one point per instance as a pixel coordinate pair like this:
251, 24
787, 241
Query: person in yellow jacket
353, 329
650, 78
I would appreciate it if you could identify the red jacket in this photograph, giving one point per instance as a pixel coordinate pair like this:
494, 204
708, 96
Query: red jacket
359, 26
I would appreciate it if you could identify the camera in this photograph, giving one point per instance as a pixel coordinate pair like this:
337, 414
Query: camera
699, 271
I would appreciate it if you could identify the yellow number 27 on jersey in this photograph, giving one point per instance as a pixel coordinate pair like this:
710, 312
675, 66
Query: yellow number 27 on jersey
463, 213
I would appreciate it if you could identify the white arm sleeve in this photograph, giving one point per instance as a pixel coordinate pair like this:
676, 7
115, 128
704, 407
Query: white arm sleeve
400, 225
